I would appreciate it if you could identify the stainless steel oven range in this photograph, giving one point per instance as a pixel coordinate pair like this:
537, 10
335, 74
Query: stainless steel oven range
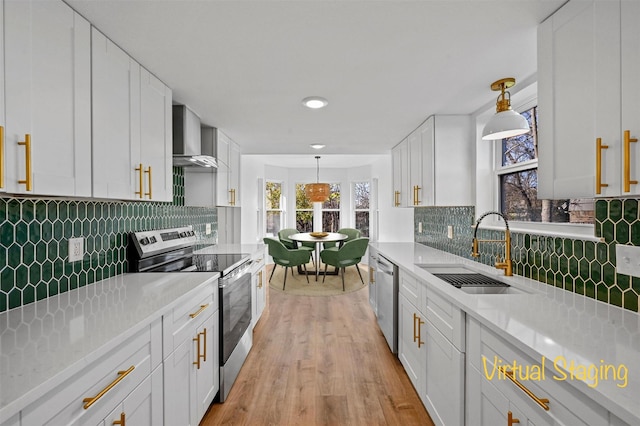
173, 250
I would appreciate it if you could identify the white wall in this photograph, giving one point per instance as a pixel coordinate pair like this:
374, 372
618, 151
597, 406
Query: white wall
394, 224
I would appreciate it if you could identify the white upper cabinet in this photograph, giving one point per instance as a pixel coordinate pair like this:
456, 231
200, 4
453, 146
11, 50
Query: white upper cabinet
433, 166
588, 59
228, 173
47, 83
3, 157
131, 127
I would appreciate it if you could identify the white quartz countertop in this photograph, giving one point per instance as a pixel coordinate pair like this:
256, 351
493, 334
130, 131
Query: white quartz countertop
548, 322
44, 342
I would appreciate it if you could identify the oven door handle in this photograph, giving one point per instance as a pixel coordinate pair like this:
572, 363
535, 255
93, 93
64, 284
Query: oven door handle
236, 274
192, 268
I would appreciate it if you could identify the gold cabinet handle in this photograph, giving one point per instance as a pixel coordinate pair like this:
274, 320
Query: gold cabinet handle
198, 356
204, 338
396, 198
260, 279
417, 330
599, 148
232, 197
416, 195
148, 172
199, 311
88, 402
511, 420
27, 154
542, 402
627, 161
122, 421
1, 156
140, 171
372, 275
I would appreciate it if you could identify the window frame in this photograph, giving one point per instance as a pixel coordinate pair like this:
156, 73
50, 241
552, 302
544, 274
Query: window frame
355, 210
296, 209
282, 209
575, 230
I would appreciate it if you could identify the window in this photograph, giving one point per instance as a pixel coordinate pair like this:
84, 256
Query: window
361, 198
273, 191
331, 209
518, 183
304, 210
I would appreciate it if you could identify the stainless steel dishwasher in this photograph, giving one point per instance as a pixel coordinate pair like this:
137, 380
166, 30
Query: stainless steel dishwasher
387, 288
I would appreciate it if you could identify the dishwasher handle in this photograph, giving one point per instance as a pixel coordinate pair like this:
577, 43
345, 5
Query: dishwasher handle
384, 267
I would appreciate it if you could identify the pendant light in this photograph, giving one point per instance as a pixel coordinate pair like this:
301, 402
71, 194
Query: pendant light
506, 122
317, 192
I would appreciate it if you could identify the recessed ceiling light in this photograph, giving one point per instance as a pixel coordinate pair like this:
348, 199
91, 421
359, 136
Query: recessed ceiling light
317, 146
314, 102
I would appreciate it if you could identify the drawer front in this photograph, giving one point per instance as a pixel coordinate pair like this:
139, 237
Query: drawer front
107, 381
566, 405
411, 288
180, 324
447, 318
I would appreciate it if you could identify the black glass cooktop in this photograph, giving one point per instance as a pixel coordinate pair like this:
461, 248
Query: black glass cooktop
222, 263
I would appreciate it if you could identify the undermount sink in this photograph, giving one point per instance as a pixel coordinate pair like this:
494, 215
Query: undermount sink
470, 281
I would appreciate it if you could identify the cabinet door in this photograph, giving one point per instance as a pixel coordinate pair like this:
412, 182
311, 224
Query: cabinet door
400, 172
234, 175
143, 406
155, 137
427, 160
179, 386
116, 88
207, 378
411, 349
416, 185
444, 380
579, 100
630, 15
3, 156
48, 94
223, 196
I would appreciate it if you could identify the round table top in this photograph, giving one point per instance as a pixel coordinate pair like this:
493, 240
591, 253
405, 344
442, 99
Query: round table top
306, 237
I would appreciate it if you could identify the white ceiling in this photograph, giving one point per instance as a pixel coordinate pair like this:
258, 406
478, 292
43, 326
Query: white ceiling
384, 66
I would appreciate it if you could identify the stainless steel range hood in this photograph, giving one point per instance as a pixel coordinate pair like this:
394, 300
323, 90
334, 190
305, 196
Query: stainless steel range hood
188, 147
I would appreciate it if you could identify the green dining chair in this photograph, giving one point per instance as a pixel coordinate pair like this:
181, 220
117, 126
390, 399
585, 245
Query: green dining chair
350, 253
283, 235
351, 234
287, 258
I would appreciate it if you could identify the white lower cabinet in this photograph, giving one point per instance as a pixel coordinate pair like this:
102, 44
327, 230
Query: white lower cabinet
411, 346
493, 398
111, 383
258, 287
191, 360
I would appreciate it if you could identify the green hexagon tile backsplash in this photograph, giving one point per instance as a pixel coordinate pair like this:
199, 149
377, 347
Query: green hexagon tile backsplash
580, 266
34, 236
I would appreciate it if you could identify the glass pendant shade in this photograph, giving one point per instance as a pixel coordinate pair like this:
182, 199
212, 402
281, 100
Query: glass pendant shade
504, 125
317, 192
506, 122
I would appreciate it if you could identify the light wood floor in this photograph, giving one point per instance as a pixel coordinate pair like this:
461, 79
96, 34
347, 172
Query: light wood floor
319, 361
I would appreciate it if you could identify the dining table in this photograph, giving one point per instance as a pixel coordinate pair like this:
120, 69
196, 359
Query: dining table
308, 237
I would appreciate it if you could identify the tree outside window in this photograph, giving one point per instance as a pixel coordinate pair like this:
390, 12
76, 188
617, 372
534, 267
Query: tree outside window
273, 191
304, 210
518, 180
362, 197
331, 209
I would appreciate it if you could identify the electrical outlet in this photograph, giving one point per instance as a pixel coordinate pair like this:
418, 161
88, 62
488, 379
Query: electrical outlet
628, 260
76, 249
419, 227
208, 229
450, 232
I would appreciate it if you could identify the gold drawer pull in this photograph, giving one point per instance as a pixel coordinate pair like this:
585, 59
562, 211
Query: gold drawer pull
627, 161
511, 420
140, 171
27, 155
372, 275
199, 311
122, 421
542, 402
599, 148
148, 171
260, 279
88, 402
